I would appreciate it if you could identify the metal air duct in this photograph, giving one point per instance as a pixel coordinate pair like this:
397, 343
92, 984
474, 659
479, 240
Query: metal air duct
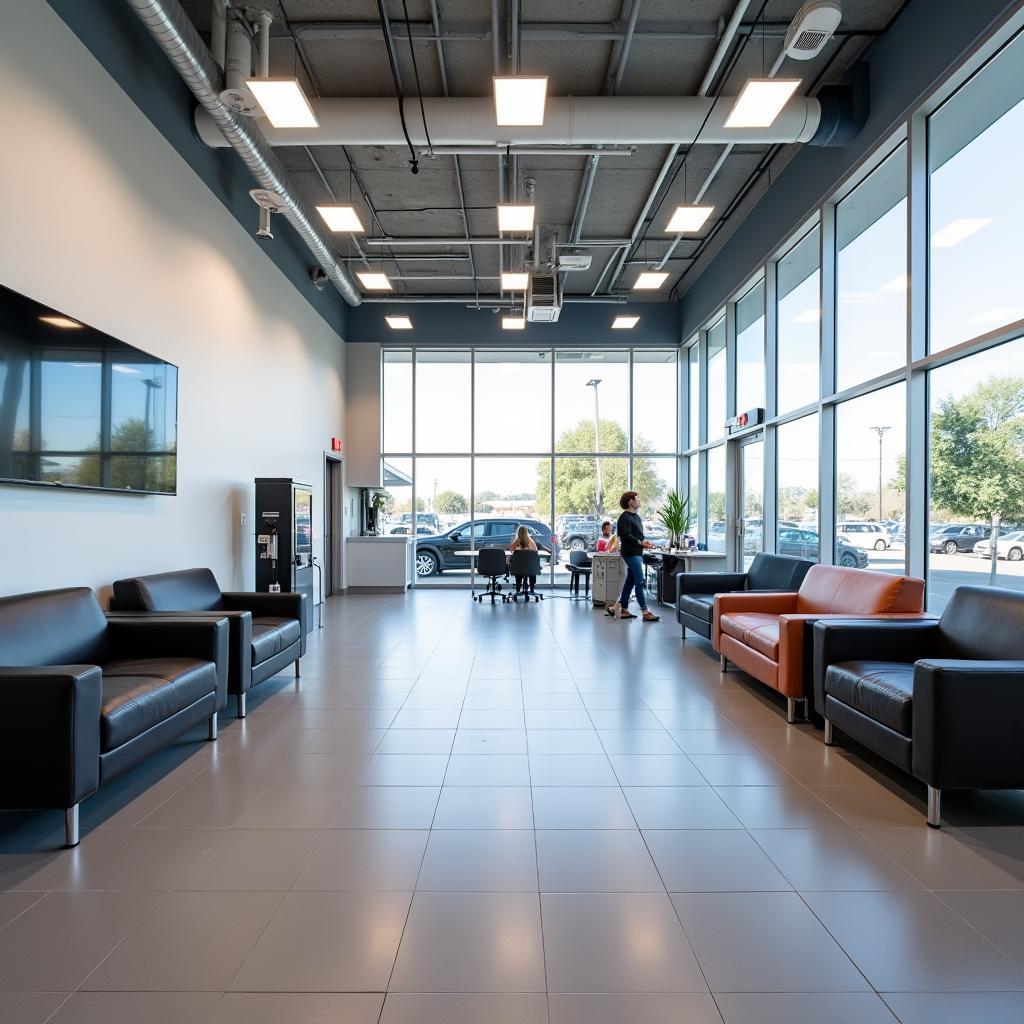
176, 36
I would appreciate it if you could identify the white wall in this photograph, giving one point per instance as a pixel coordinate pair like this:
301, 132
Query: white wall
363, 415
103, 220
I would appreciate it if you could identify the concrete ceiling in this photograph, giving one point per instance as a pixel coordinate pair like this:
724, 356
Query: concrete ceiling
353, 62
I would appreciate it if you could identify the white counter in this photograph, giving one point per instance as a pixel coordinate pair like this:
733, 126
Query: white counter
379, 563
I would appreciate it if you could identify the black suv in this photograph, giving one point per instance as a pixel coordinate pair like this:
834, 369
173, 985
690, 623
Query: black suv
959, 537
435, 554
581, 534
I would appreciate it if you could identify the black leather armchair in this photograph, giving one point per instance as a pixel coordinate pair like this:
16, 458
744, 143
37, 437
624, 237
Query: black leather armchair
695, 591
268, 631
82, 697
941, 698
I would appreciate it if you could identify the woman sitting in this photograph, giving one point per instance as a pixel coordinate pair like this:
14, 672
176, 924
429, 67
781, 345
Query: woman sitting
607, 542
524, 542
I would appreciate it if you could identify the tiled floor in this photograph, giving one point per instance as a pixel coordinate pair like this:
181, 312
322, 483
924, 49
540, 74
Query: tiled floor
512, 815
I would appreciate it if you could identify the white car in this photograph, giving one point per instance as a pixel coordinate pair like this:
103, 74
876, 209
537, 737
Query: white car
865, 535
1009, 546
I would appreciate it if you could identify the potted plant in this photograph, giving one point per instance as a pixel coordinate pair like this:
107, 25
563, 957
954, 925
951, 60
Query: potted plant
675, 517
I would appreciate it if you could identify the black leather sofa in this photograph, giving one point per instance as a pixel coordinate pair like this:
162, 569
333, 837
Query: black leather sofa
83, 697
268, 631
941, 698
695, 591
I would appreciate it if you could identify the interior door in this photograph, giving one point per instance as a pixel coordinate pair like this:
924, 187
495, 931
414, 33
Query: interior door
750, 532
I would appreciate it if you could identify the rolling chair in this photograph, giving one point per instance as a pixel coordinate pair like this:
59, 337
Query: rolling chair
525, 565
492, 564
579, 566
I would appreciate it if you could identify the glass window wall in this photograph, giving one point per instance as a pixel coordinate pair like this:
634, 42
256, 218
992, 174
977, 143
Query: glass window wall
443, 397
716, 381
694, 374
396, 400
797, 487
750, 349
655, 416
506, 381
716, 532
799, 323
591, 387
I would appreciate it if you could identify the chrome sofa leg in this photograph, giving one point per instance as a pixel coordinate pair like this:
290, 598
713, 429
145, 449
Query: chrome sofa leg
71, 826
725, 663
241, 705
213, 726
298, 671
828, 733
934, 807
791, 710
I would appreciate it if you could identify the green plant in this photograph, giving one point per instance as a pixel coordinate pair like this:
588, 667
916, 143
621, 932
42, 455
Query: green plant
675, 517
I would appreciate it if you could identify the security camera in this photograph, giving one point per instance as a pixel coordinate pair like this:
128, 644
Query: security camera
318, 278
268, 202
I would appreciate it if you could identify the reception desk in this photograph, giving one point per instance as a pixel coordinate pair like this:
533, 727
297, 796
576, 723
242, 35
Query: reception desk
379, 564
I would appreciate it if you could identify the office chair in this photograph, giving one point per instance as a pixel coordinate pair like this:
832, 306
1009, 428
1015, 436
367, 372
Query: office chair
492, 564
579, 565
525, 564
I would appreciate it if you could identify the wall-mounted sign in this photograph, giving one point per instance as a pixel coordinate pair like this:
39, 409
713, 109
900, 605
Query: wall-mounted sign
335, 444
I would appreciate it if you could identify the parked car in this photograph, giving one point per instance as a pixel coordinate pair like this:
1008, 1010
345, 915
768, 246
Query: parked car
1009, 546
951, 539
806, 544
442, 551
580, 533
423, 519
866, 535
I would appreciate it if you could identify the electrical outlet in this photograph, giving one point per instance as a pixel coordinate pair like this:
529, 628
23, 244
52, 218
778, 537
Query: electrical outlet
245, 519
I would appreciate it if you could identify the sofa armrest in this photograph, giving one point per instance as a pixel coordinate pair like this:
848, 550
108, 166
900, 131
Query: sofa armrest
744, 601
205, 639
710, 582
287, 605
838, 640
966, 728
49, 735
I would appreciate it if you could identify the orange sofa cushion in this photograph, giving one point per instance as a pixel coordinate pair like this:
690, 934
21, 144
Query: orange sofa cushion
833, 590
758, 630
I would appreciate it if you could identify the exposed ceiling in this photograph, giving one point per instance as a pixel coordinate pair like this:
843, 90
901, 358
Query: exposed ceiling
337, 49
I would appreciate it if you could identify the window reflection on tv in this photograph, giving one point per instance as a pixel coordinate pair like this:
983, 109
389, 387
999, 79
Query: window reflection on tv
79, 408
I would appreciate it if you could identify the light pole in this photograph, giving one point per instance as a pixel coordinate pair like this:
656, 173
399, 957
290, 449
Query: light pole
880, 431
599, 494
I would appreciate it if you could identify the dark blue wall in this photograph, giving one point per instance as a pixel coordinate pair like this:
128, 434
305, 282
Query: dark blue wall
580, 323
924, 43
126, 50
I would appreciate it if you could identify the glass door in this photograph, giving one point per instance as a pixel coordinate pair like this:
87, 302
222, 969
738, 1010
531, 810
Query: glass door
750, 534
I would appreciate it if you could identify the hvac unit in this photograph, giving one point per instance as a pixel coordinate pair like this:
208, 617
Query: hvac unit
543, 299
812, 28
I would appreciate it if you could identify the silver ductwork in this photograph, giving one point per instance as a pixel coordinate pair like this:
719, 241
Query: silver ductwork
176, 36
568, 121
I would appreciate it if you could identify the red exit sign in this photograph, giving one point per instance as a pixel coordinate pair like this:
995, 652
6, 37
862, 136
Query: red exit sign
335, 444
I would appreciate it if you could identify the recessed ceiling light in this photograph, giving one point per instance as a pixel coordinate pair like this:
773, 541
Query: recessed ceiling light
625, 323
649, 280
515, 217
399, 323
514, 282
513, 323
688, 218
760, 102
520, 100
374, 282
341, 218
957, 230
60, 321
283, 101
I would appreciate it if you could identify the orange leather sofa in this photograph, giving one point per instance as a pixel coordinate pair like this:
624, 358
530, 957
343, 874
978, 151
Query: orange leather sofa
764, 633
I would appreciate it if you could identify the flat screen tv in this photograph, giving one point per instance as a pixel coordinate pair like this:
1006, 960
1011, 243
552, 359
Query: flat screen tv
81, 409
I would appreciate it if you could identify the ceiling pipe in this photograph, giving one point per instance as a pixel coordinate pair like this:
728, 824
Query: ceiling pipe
177, 37
457, 240
484, 300
568, 121
219, 31
501, 151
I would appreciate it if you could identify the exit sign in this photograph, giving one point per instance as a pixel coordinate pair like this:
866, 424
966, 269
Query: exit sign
335, 444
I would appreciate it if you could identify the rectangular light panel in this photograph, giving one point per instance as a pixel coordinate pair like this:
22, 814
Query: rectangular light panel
515, 217
374, 282
514, 282
513, 323
399, 323
520, 101
650, 280
60, 321
688, 218
283, 101
761, 102
341, 218
625, 323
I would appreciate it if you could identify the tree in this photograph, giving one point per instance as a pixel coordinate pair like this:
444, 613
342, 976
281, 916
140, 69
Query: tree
576, 478
130, 472
853, 503
977, 452
451, 503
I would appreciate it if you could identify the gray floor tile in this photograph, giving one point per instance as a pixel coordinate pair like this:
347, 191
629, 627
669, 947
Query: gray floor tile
912, 942
611, 942
327, 942
363, 860
637, 741
778, 807
495, 719
740, 770
190, 942
251, 860
957, 1007
564, 741
870, 805
596, 807
200, 805
999, 916
471, 942
14, 904
298, 1008
764, 942
656, 770
29, 1007
679, 807
465, 1008
490, 741
580, 860
803, 1008
386, 807
637, 1008
487, 770
569, 700
706, 860
625, 719
713, 741
416, 741
404, 770
571, 770
494, 860
478, 807
58, 941
132, 1007
419, 719
287, 807
576, 718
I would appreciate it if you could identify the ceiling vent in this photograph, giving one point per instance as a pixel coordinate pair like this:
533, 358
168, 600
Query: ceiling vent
575, 259
543, 299
812, 28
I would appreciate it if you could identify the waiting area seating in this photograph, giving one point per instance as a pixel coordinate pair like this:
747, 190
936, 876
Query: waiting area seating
764, 634
492, 563
580, 568
525, 568
695, 591
268, 631
942, 699
84, 697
